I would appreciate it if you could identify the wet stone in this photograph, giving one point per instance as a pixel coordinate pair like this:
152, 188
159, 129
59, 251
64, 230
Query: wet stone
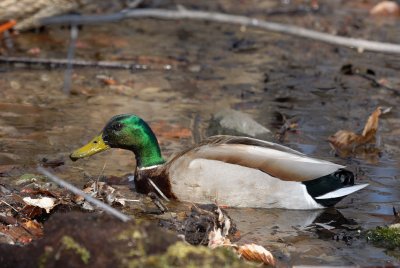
231, 122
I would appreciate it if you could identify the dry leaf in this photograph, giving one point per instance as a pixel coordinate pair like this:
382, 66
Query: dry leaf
31, 212
345, 140
46, 203
17, 234
100, 190
249, 252
256, 253
215, 239
385, 8
33, 227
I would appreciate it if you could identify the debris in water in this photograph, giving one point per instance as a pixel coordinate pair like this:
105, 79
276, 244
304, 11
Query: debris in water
107, 80
386, 8
256, 253
103, 191
346, 142
251, 252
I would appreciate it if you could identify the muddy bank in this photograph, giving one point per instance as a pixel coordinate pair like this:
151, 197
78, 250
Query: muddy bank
102, 241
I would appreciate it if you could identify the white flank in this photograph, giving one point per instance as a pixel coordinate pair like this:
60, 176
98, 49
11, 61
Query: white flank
342, 191
211, 181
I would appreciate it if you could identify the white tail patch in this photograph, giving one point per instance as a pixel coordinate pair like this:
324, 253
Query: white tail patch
342, 191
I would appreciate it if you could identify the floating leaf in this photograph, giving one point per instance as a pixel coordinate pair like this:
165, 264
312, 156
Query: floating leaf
385, 8
346, 141
249, 252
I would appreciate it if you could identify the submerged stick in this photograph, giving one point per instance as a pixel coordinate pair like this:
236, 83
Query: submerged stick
70, 57
79, 63
359, 44
108, 209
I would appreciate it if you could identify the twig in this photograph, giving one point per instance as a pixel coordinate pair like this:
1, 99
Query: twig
8, 40
158, 190
79, 63
359, 44
94, 201
4, 202
158, 202
376, 83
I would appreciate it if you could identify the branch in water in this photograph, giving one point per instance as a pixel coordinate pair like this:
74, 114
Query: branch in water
80, 63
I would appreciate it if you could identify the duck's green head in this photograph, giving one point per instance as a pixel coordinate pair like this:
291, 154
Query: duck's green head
126, 131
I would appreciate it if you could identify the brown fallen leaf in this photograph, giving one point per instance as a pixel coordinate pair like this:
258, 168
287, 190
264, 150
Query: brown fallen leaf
32, 212
170, 131
386, 8
107, 80
18, 234
33, 227
346, 141
256, 253
249, 252
45, 192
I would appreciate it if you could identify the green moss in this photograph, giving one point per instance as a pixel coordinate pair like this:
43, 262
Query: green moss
28, 178
142, 252
181, 254
48, 252
386, 237
70, 244
134, 237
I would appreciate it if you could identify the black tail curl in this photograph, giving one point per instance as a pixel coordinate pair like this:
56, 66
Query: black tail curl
320, 186
345, 176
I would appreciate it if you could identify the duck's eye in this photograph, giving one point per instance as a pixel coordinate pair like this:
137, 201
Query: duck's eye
117, 126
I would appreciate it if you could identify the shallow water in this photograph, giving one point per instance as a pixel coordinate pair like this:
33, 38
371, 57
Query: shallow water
271, 74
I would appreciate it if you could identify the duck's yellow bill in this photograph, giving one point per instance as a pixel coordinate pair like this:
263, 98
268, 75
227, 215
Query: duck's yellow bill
95, 146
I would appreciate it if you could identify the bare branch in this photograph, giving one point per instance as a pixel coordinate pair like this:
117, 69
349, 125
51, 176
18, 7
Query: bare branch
81, 63
359, 44
110, 210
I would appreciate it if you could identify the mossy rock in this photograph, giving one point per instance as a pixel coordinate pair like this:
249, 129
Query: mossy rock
93, 240
147, 249
386, 237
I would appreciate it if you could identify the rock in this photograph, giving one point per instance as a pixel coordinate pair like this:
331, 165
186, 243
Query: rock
92, 240
231, 122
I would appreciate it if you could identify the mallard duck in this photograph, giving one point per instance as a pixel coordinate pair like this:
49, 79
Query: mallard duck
227, 170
